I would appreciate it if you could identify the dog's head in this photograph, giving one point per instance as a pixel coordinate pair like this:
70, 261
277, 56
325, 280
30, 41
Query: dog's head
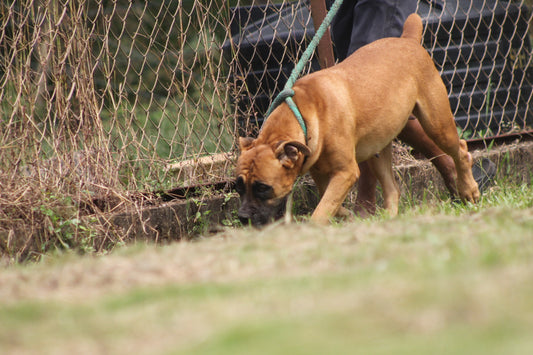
265, 176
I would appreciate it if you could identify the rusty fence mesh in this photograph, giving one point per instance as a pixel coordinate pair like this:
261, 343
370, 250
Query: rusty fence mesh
105, 98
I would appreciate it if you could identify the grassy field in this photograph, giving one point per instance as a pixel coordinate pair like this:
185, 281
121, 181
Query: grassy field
438, 279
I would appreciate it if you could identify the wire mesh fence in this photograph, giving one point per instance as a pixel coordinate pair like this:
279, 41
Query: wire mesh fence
98, 98
481, 48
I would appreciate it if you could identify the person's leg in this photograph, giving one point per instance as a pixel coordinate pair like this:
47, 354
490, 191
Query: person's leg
365, 202
370, 20
361, 22
341, 28
376, 19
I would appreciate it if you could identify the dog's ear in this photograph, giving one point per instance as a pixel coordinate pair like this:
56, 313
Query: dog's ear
289, 152
245, 143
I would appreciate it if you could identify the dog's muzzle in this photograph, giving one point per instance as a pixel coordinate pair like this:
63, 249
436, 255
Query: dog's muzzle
260, 215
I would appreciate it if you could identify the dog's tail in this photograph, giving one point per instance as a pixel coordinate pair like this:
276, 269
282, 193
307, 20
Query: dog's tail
412, 28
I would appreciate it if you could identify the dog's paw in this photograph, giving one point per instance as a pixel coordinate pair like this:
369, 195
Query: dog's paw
469, 192
343, 213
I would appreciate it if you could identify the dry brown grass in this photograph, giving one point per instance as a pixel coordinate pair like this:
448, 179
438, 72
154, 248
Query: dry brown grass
59, 205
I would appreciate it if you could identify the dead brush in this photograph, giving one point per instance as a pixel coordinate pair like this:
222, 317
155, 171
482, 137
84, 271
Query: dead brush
58, 179
60, 204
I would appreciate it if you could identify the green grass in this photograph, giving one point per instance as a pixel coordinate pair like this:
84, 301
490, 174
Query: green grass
438, 279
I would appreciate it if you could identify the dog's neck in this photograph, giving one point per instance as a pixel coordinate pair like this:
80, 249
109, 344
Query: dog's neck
282, 116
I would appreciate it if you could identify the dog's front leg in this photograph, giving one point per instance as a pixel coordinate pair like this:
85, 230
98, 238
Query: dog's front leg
338, 186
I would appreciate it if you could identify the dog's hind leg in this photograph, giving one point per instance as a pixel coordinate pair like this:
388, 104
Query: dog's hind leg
434, 113
382, 168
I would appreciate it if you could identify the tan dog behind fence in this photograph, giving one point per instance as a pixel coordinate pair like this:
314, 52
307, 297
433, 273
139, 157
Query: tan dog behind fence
352, 112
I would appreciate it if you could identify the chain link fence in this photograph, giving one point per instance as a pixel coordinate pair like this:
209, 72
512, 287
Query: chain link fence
481, 47
101, 99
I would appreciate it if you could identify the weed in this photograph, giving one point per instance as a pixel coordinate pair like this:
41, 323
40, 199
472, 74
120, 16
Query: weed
227, 197
488, 101
234, 221
63, 225
465, 133
200, 220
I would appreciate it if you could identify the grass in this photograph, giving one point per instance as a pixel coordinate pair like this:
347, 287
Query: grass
439, 278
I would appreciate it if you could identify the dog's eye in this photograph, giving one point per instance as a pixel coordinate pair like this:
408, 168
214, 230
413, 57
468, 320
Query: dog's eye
239, 186
262, 191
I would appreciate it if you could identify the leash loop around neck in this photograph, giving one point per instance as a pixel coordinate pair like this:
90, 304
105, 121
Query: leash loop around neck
286, 95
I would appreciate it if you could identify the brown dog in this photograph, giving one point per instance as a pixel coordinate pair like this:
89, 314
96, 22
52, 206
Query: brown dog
352, 112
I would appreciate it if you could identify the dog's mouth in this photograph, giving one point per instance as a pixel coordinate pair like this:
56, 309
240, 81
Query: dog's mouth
260, 215
282, 208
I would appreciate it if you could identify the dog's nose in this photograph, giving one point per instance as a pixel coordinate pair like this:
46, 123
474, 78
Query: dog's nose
245, 220
245, 215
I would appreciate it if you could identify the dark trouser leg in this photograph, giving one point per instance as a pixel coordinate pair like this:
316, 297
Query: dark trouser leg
365, 203
358, 23
361, 22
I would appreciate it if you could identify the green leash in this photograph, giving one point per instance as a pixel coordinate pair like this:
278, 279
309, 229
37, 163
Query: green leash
287, 93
